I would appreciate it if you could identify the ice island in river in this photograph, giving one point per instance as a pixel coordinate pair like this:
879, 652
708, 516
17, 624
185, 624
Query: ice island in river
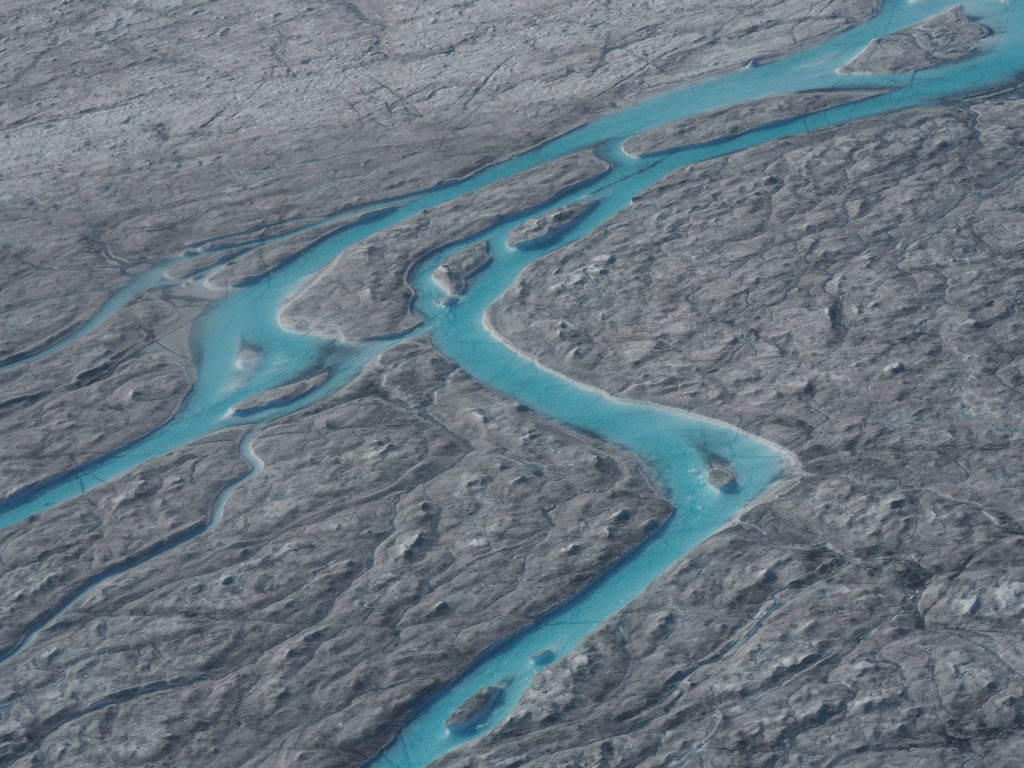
430, 468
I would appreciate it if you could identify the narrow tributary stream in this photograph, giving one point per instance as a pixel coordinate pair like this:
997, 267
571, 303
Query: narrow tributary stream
674, 444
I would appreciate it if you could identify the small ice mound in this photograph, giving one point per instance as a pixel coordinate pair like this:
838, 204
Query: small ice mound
536, 231
455, 274
722, 477
278, 395
248, 358
475, 710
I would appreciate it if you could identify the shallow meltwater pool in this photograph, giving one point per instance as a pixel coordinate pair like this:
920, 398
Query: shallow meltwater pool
242, 350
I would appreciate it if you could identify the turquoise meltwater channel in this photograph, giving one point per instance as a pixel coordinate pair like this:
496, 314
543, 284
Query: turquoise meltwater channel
673, 444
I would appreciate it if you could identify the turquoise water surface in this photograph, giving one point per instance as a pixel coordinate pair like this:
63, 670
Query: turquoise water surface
672, 443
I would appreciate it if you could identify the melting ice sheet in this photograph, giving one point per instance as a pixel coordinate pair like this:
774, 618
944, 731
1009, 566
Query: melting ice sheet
241, 349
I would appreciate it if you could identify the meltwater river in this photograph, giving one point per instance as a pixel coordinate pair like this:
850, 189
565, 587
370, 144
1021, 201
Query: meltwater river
672, 443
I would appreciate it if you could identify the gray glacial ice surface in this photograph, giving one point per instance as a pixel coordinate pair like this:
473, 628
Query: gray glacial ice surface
225, 708
848, 297
946, 37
